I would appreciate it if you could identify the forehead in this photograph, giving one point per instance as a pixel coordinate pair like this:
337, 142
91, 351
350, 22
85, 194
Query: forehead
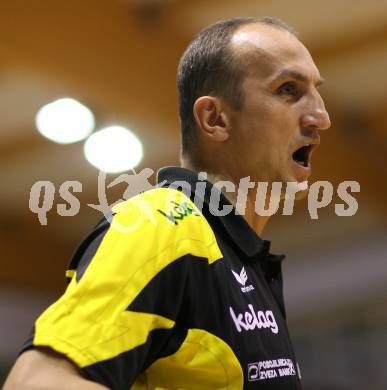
264, 51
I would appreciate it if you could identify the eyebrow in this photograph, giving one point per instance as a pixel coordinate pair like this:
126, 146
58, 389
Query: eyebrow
286, 73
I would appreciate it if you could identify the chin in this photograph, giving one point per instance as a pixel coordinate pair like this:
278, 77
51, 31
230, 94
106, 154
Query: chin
302, 194
297, 196
299, 188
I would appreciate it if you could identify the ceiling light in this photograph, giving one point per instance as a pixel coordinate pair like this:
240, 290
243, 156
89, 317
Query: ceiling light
65, 121
113, 149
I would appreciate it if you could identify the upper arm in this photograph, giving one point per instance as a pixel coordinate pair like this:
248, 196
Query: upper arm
121, 314
43, 368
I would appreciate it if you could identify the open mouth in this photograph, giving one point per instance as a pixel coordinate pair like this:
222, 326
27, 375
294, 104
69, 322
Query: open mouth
302, 155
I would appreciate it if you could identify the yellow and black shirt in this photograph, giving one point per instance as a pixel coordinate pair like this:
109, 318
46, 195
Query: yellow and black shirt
173, 295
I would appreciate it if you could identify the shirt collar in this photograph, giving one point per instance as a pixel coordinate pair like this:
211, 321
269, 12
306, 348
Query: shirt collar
235, 225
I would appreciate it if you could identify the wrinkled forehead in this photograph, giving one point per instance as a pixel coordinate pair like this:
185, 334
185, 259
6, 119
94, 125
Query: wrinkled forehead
264, 51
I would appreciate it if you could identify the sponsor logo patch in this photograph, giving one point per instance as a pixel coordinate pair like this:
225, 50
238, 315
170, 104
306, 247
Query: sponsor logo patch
242, 279
179, 212
252, 319
269, 369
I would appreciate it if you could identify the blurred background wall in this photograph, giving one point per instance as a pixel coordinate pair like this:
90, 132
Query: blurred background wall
119, 58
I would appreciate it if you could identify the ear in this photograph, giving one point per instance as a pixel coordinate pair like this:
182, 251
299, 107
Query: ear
211, 118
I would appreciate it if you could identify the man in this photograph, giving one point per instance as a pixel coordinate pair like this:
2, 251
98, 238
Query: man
181, 295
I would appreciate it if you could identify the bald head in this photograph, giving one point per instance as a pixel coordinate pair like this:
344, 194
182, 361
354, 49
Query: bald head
266, 52
214, 64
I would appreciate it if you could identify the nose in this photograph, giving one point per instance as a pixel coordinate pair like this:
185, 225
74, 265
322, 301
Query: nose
316, 117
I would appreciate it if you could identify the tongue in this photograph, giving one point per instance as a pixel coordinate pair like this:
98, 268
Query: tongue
302, 163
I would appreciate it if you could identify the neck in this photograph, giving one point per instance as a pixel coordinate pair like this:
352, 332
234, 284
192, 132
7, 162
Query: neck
256, 222
246, 208
244, 202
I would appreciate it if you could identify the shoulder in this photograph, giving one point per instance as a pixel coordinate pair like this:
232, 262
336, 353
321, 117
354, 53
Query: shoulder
165, 218
156, 228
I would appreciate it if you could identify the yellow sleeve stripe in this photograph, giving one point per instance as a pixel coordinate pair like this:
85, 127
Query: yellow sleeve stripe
203, 359
129, 330
91, 316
